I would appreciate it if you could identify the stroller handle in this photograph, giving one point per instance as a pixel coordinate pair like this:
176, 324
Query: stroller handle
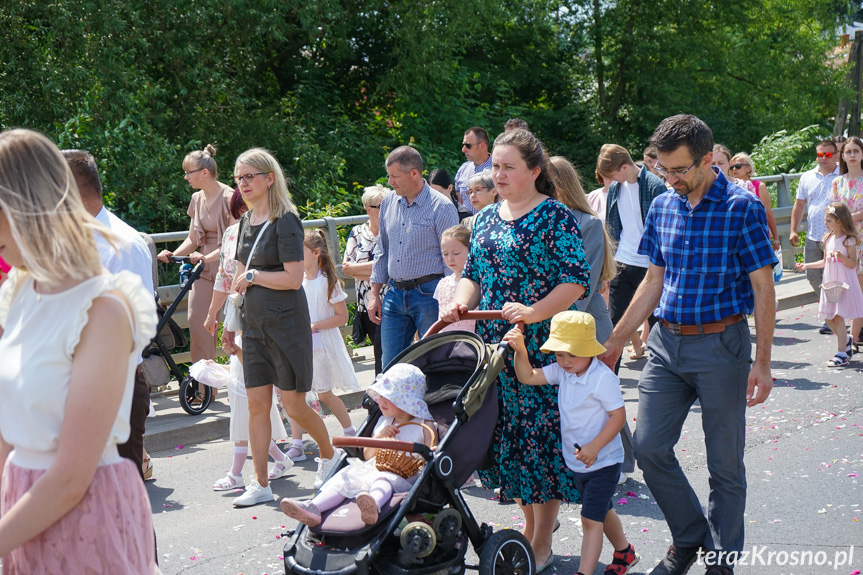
180, 259
472, 314
384, 443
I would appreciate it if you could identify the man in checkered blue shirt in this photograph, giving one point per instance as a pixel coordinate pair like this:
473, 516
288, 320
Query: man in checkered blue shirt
711, 265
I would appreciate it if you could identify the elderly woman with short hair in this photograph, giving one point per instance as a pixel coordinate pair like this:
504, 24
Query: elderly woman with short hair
481, 193
358, 262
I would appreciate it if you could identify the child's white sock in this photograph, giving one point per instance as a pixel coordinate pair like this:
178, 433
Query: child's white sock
275, 452
240, 454
350, 431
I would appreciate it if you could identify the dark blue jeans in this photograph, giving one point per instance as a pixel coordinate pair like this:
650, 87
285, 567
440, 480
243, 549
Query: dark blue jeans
406, 312
713, 369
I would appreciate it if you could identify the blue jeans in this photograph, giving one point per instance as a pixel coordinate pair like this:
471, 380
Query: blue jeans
713, 369
404, 313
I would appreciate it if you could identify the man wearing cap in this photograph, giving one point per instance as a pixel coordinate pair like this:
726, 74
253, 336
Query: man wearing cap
592, 413
711, 265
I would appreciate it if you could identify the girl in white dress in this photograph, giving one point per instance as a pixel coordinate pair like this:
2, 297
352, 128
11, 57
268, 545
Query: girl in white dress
840, 264
399, 393
70, 337
328, 310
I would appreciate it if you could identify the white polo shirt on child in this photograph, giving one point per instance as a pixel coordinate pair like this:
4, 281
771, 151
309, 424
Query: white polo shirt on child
584, 403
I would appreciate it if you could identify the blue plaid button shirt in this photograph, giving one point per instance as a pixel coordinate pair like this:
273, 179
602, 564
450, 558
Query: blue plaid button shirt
707, 252
409, 240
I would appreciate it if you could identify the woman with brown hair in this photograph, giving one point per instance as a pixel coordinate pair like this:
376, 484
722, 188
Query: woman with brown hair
526, 259
210, 213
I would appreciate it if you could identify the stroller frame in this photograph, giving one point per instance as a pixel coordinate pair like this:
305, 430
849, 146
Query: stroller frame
310, 552
188, 384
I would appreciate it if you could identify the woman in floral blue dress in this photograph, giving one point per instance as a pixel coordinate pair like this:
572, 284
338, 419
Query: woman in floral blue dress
526, 258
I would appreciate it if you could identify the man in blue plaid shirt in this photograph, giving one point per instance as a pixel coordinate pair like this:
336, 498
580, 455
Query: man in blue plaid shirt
711, 265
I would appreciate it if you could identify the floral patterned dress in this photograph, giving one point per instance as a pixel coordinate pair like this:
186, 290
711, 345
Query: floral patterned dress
523, 261
850, 193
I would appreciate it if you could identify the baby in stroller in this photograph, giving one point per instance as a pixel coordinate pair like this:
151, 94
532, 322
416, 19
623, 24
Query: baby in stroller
405, 416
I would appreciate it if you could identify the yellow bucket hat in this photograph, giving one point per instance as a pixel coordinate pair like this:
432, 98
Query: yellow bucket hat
573, 332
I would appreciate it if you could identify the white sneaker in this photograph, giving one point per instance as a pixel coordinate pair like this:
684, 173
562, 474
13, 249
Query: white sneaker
622, 479
324, 468
280, 469
254, 494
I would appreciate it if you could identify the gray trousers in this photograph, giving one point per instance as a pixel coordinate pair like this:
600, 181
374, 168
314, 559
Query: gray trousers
713, 369
813, 252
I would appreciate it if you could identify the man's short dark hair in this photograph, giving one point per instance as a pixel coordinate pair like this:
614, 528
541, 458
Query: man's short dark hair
830, 143
480, 134
515, 123
86, 173
839, 139
650, 152
407, 158
683, 130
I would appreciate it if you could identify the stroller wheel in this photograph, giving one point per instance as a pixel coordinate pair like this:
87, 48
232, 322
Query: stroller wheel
192, 401
506, 553
418, 538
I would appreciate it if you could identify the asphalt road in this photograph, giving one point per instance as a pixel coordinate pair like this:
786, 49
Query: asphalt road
804, 459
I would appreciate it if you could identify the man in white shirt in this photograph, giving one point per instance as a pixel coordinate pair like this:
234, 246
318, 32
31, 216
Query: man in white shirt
814, 189
132, 255
475, 146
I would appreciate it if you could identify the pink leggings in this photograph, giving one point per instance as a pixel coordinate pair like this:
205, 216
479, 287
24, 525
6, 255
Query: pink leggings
381, 491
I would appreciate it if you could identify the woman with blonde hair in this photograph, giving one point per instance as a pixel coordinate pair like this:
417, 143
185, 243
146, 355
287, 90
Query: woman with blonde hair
70, 337
210, 213
277, 334
358, 262
742, 168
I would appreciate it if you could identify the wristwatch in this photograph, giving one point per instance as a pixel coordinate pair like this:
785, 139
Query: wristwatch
250, 276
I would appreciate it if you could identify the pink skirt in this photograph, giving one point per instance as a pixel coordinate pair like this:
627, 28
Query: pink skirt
109, 531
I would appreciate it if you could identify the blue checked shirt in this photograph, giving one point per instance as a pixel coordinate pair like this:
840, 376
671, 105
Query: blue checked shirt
463, 176
707, 252
409, 240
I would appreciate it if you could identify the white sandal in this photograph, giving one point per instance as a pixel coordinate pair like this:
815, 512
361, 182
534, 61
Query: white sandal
280, 469
296, 454
230, 481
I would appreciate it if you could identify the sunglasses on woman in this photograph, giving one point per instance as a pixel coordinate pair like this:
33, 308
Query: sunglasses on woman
736, 166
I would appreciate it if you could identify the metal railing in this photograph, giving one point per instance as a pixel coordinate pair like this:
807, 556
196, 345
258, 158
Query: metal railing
167, 293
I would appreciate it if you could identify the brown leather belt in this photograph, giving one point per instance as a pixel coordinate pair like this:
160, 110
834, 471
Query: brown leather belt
705, 328
411, 284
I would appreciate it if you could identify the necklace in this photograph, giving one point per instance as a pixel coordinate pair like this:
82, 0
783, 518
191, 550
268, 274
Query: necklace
260, 221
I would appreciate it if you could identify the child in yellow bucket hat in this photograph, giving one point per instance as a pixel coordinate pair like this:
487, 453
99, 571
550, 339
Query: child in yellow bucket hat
591, 416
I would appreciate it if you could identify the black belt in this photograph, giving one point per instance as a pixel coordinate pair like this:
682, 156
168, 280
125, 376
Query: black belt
411, 284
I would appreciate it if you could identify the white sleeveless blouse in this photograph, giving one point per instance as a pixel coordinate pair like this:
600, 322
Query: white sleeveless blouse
41, 332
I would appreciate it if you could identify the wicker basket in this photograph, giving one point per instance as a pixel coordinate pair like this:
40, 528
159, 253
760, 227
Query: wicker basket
833, 291
402, 463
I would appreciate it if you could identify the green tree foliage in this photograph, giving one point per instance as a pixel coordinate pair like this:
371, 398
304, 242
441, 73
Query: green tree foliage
331, 86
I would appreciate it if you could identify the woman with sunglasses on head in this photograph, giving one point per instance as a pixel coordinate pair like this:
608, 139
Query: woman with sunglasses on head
741, 168
358, 262
848, 189
70, 338
210, 213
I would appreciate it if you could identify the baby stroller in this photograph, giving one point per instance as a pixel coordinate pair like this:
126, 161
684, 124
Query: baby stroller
426, 530
170, 336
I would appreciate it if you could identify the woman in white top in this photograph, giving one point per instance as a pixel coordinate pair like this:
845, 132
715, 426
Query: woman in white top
70, 336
